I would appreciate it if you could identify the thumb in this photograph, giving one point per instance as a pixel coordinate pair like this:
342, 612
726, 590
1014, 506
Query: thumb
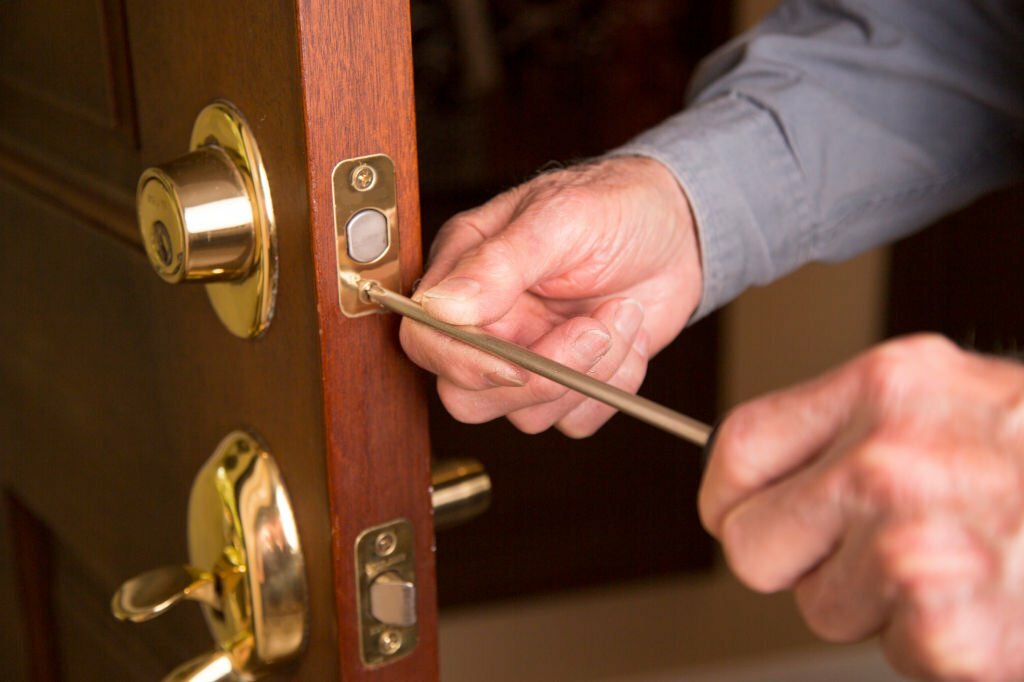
484, 284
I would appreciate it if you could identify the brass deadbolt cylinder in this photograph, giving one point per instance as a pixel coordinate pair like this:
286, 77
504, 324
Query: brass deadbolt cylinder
196, 217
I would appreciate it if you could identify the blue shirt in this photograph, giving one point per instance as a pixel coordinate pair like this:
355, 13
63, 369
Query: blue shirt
836, 125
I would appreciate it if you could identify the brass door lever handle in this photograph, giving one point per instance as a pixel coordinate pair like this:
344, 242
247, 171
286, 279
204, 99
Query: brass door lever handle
643, 409
252, 587
148, 595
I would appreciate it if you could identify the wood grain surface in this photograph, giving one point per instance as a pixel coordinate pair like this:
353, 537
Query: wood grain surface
358, 99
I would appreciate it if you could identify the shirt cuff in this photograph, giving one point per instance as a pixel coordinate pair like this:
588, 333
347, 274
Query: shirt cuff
745, 189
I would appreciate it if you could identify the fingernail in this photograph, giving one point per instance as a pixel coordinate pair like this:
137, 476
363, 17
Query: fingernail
628, 318
507, 376
591, 345
454, 289
641, 345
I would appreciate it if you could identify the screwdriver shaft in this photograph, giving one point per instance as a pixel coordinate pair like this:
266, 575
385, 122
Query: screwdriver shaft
643, 409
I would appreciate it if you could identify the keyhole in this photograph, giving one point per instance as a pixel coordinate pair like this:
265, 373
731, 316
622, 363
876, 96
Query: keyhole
162, 242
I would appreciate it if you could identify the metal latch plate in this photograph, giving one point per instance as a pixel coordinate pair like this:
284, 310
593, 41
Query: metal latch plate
365, 187
387, 553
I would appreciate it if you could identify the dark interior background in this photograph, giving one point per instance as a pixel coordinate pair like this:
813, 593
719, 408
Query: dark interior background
964, 277
502, 94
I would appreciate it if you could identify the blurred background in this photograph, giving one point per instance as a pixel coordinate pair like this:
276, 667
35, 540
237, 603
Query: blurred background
590, 563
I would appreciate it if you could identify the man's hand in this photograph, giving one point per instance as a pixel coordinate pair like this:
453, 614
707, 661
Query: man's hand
890, 495
596, 266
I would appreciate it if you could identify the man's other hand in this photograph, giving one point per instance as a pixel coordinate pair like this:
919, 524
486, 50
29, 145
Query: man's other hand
889, 494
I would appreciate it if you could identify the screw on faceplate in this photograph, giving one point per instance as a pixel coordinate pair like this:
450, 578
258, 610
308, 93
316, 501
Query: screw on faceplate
385, 543
363, 178
389, 642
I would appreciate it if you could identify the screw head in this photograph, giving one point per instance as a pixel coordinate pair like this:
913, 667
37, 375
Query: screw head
363, 178
389, 642
385, 543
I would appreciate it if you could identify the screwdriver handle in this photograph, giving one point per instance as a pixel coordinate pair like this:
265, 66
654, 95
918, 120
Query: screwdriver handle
643, 409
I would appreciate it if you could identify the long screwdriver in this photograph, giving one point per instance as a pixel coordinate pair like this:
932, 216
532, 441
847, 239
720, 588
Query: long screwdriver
643, 409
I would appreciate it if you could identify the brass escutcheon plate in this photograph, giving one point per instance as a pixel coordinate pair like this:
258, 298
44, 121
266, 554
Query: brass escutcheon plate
365, 182
240, 523
245, 305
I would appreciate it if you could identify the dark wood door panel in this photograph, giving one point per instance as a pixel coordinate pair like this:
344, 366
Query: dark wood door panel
117, 387
92, 646
85, 443
13, 630
66, 98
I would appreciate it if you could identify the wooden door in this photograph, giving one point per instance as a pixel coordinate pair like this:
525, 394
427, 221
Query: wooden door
115, 387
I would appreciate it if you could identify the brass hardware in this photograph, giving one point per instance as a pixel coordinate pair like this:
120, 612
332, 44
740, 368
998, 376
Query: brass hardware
460, 490
150, 594
386, 592
215, 666
389, 642
207, 216
252, 587
196, 219
363, 178
365, 229
643, 409
384, 544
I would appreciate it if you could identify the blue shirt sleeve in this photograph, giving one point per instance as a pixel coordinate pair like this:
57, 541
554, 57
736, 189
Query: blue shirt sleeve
836, 125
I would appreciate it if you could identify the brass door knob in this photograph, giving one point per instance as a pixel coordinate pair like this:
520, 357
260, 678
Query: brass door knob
460, 490
246, 568
207, 217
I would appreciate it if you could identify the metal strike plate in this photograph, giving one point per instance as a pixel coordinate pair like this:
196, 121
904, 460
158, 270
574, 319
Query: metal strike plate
365, 229
386, 582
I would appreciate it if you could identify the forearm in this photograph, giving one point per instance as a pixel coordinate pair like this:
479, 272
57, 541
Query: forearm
835, 126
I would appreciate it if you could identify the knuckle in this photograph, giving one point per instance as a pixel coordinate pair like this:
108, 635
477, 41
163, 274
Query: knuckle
820, 611
565, 200
891, 370
415, 345
746, 564
631, 374
877, 477
890, 546
942, 648
461, 404
885, 373
736, 444
462, 228
530, 421
463, 221
585, 421
499, 258
543, 390
571, 200
577, 430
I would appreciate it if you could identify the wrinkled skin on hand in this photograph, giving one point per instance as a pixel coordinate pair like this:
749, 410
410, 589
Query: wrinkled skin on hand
889, 495
596, 266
